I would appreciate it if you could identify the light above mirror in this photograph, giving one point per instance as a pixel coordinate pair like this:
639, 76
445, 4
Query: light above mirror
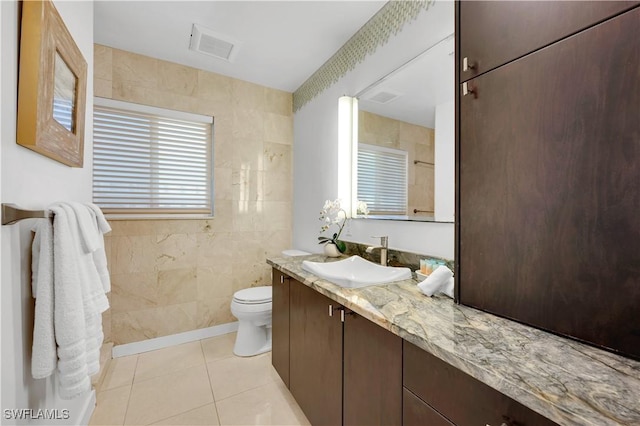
406, 128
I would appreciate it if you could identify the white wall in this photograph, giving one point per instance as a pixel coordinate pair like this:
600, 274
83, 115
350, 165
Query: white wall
445, 188
34, 181
315, 153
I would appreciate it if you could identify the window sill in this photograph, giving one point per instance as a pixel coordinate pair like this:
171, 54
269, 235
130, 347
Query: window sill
114, 216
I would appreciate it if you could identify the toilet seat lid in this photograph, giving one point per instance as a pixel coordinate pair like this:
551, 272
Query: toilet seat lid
253, 295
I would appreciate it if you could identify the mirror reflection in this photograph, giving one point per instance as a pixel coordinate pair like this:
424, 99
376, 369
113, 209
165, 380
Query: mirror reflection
64, 94
405, 139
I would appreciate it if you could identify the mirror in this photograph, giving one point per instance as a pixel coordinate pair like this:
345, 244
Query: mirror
406, 139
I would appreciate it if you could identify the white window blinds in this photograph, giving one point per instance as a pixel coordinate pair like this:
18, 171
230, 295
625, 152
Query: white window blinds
149, 160
382, 179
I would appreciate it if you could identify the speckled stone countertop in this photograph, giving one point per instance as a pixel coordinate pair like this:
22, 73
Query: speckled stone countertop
566, 381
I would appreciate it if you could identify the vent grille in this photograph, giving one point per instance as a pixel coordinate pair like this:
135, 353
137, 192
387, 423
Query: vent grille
384, 97
206, 41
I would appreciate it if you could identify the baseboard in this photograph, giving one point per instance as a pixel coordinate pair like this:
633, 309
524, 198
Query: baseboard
87, 410
172, 340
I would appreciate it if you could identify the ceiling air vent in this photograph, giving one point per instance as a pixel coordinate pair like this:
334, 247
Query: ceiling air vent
383, 97
203, 40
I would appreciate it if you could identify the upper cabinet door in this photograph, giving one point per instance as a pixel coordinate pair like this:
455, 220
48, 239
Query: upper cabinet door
493, 33
549, 187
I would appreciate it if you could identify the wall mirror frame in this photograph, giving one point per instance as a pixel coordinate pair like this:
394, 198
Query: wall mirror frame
405, 111
52, 86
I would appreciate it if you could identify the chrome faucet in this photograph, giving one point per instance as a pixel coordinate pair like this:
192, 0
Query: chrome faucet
384, 247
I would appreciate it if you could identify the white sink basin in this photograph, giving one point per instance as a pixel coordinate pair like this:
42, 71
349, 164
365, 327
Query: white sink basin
355, 272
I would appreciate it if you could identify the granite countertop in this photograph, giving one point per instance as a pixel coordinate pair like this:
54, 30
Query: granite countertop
567, 381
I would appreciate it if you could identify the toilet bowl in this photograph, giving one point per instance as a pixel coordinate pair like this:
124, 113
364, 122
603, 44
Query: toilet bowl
252, 307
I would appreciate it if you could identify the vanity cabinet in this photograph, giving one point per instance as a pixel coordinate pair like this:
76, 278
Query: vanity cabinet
547, 192
315, 375
493, 33
372, 373
280, 324
342, 368
437, 393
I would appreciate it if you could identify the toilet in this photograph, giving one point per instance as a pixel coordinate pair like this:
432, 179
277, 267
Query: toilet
252, 308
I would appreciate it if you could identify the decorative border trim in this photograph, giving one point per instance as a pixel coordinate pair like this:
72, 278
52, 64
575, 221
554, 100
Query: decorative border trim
389, 20
173, 340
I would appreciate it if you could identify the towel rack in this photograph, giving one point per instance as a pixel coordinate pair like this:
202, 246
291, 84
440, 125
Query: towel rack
415, 211
423, 162
12, 214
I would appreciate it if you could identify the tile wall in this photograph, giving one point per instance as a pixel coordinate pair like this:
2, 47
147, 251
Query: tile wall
418, 141
171, 276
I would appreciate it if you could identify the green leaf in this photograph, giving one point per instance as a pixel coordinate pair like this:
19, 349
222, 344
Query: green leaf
341, 246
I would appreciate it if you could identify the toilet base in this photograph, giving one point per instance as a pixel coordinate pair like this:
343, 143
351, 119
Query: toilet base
252, 340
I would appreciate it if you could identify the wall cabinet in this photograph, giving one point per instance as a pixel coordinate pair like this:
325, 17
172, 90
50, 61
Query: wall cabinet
494, 33
548, 193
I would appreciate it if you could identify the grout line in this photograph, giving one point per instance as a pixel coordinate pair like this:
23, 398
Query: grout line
183, 412
206, 366
126, 411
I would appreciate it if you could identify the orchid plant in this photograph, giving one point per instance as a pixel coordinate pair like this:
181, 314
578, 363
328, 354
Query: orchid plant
333, 214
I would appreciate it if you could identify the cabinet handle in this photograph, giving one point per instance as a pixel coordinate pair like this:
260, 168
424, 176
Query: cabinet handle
467, 64
281, 279
468, 88
342, 315
330, 310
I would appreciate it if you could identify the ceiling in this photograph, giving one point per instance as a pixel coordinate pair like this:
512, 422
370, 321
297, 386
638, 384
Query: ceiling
283, 42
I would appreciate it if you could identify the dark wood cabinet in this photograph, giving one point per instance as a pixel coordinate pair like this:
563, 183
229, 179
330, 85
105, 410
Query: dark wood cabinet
459, 397
315, 360
549, 185
340, 367
493, 33
416, 412
372, 374
280, 325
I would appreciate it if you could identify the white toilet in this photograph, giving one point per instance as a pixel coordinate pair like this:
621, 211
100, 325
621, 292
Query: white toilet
252, 307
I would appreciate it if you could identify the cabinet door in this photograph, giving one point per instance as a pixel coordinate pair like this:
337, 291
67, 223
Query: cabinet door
549, 188
415, 412
372, 374
280, 325
315, 378
493, 33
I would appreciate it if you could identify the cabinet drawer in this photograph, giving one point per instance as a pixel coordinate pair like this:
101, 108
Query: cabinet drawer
458, 396
493, 33
415, 412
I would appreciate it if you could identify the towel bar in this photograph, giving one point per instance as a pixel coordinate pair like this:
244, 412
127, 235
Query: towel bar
415, 211
12, 214
423, 162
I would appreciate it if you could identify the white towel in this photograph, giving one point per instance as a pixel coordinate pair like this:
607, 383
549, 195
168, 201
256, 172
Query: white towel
78, 298
44, 358
439, 281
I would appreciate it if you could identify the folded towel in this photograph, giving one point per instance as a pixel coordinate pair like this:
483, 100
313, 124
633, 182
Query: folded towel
439, 281
70, 296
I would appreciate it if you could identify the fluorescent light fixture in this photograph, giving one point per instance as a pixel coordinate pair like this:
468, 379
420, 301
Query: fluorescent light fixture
347, 152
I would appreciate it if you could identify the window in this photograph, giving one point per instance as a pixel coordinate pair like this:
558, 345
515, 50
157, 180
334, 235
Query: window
382, 179
150, 160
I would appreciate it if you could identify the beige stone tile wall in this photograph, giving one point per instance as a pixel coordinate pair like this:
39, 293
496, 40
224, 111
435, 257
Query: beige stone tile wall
418, 141
171, 276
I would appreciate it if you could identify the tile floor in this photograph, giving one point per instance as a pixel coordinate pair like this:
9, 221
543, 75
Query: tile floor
198, 383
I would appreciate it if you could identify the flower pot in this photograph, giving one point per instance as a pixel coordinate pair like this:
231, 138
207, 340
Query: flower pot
331, 250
